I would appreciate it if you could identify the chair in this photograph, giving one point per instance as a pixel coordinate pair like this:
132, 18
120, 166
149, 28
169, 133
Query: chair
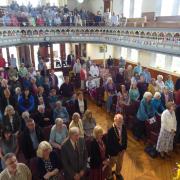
33, 165
46, 132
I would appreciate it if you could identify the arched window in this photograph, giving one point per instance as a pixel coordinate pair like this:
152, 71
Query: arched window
134, 55
160, 61
176, 64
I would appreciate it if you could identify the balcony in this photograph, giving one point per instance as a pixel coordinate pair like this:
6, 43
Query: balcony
162, 40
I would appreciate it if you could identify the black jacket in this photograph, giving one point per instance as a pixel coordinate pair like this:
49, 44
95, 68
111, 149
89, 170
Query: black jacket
113, 145
95, 154
77, 109
41, 165
26, 142
16, 123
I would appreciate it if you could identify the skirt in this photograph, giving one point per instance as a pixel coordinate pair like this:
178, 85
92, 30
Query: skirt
165, 141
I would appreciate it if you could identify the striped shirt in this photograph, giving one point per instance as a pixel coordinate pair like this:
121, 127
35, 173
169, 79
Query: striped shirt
22, 173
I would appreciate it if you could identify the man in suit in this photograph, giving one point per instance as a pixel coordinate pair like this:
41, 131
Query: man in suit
74, 156
70, 59
53, 79
116, 145
30, 138
110, 62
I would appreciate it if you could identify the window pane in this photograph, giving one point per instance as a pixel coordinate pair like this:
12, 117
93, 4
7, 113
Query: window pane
160, 60
126, 8
3, 2
124, 52
134, 55
167, 7
137, 8
176, 64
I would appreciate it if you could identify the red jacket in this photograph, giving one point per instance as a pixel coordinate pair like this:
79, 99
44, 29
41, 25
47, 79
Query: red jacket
2, 62
83, 74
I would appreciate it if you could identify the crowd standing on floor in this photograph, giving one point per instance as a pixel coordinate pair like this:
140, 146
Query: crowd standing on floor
51, 130
21, 15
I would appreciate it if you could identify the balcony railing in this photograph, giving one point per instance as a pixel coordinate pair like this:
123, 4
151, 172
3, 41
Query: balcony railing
154, 39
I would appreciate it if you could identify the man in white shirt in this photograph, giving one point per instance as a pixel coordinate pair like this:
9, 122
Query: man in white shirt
114, 19
94, 70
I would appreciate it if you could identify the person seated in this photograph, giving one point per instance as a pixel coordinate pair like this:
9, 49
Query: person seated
120, 76
145, 112
66, 90
30, 138
26, 102
42, 117
133, 93
58, 134
3, 73
142, 86
53, 98
15, 170
60, 112
74, 156
169, 83
6, 99
128, 74
160, 83
77, 122
94, 70
8, 143
41, 94
122, 98
88, 123
152, 87
157, 104
80, 104
11, 119
39, 79
98, 155
48, 166
12, 72
23, 72
166, 96
13, 84
34, 88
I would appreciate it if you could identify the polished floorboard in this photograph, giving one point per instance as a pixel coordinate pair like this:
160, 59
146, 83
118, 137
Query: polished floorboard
137, 165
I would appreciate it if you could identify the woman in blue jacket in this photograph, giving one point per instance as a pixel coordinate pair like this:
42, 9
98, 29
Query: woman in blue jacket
26, 102
145, 112
157, 103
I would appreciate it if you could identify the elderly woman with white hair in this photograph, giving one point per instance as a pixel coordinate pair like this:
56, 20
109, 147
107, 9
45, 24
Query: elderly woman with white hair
11, 119
58, 134
157, 103
48, 166
43, 117
145, 112
167, 131
160, 83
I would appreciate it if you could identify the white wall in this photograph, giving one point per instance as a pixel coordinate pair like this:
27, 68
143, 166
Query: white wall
149, 5
117, 6
93, 51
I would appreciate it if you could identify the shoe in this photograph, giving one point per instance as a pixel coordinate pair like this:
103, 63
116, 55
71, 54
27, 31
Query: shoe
119, 177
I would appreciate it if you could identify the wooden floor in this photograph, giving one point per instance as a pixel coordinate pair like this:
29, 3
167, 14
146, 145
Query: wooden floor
137, 165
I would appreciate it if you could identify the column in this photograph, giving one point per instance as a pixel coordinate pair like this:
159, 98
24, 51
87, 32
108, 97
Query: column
8, 55
51, 56
63, 51
131, 14
32, 55
158, 7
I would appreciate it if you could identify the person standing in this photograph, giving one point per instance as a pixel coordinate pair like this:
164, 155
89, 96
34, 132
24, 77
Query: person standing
116, 145
167, 131
74, 156
14, 170
2, 61
12, 61
76, 70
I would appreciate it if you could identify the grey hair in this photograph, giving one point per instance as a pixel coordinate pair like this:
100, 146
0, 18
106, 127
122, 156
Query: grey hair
58, 120
146, 94
157, 94
17, 89
159, 77
58, 102
8, 155
73, 131
40, 106
25, 115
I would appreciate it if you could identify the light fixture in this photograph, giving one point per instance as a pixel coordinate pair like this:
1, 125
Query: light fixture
80, 1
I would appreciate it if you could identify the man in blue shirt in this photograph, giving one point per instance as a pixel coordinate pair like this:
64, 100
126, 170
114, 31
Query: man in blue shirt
147, 75
138, 68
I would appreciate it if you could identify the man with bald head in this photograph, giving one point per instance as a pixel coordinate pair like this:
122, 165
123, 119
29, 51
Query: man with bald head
116, 145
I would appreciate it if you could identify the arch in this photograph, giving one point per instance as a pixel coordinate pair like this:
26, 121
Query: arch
23, 32
5, 33
29, 32
35, 32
